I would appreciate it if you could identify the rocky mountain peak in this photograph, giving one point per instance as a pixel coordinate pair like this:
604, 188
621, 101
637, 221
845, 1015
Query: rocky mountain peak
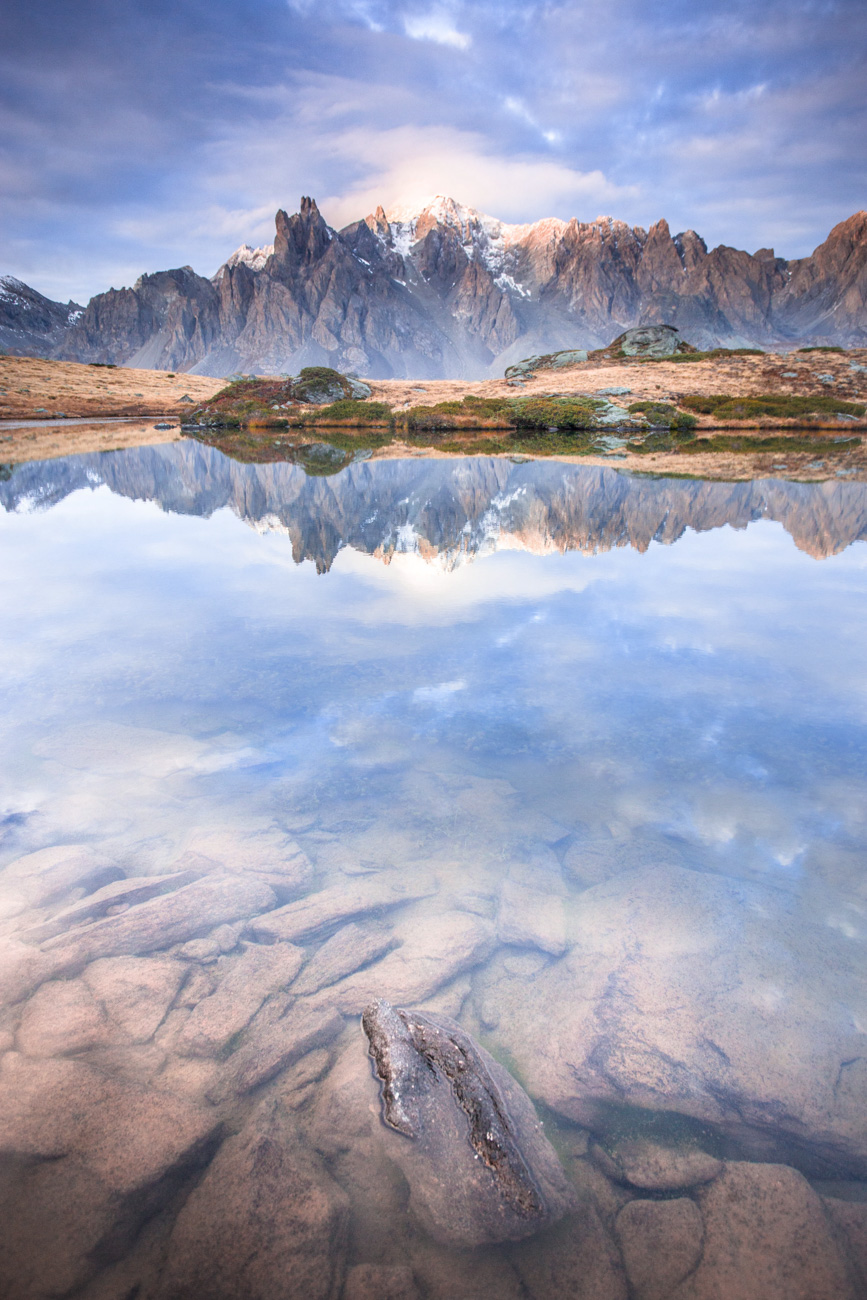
439, 289
300, 240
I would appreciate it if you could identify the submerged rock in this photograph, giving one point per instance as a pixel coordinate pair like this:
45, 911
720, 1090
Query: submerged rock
297, 921
86, 1160
44, 877
266, 1222
689, 992
160, 922
766, 1234
656, 1167
661, 1243
247, 981
479, 1167
433, 951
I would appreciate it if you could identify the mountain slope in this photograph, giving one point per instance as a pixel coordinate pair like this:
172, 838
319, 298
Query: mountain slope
30, 323
445, 291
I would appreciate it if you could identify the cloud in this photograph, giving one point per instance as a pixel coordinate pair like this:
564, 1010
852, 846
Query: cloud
435, 27
130, 142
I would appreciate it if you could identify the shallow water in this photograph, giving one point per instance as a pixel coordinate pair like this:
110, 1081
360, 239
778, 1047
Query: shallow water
583, 756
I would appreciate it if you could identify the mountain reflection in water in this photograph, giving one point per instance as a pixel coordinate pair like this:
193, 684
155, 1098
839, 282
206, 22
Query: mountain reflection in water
598, 798
452, 509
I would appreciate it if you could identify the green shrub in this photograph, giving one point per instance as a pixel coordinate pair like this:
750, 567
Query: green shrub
822, 349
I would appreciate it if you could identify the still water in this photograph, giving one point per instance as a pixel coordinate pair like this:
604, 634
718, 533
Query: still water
574, 760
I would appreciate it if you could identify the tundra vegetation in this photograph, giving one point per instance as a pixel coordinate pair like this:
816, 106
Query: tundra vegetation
321, 420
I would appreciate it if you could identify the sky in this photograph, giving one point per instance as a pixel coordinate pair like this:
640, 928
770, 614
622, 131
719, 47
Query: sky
136, 136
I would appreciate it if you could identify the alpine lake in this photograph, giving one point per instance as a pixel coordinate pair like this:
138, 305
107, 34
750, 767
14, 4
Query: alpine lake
554, 774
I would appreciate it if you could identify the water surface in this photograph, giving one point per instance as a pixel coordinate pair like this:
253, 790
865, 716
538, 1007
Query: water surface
607, 734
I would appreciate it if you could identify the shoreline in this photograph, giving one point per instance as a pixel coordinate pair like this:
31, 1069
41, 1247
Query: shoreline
51, 441
51, 409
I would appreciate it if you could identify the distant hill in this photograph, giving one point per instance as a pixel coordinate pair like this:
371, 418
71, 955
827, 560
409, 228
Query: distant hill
446, 292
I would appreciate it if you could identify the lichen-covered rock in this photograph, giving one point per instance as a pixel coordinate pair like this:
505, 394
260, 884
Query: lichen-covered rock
467, 1138
650, 341
547, 361
321, 385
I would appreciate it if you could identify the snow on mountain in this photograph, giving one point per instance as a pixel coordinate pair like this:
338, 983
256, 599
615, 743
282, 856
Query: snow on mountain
246, 255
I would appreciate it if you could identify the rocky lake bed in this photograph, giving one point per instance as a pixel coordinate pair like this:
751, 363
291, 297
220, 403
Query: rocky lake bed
437, 880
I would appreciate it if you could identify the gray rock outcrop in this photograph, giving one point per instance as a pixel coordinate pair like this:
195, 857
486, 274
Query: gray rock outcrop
32, 325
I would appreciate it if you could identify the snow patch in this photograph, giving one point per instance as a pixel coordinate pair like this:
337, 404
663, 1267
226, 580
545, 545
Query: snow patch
246, 255
510, 285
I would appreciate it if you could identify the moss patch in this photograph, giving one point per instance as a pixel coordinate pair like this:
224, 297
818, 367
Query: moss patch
776, 405
662, 415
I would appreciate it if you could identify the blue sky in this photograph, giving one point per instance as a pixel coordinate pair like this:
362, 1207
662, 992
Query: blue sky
137, 136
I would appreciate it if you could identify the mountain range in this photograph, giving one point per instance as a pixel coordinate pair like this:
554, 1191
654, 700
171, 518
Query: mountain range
449, 512
443, 291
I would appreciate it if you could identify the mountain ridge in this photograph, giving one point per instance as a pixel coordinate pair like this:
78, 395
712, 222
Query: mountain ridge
444, 291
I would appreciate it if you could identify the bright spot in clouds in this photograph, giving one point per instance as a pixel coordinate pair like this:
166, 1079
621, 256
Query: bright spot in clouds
435, 27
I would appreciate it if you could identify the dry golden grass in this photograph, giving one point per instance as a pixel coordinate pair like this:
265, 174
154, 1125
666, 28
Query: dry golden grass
34, 389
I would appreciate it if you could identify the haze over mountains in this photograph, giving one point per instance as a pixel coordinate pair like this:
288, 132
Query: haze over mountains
446, 292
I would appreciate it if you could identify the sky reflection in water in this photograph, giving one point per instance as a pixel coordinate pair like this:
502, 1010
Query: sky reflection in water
712, 690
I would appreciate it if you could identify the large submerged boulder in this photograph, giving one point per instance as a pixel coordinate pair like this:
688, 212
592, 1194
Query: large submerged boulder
466, 1135
719, 999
